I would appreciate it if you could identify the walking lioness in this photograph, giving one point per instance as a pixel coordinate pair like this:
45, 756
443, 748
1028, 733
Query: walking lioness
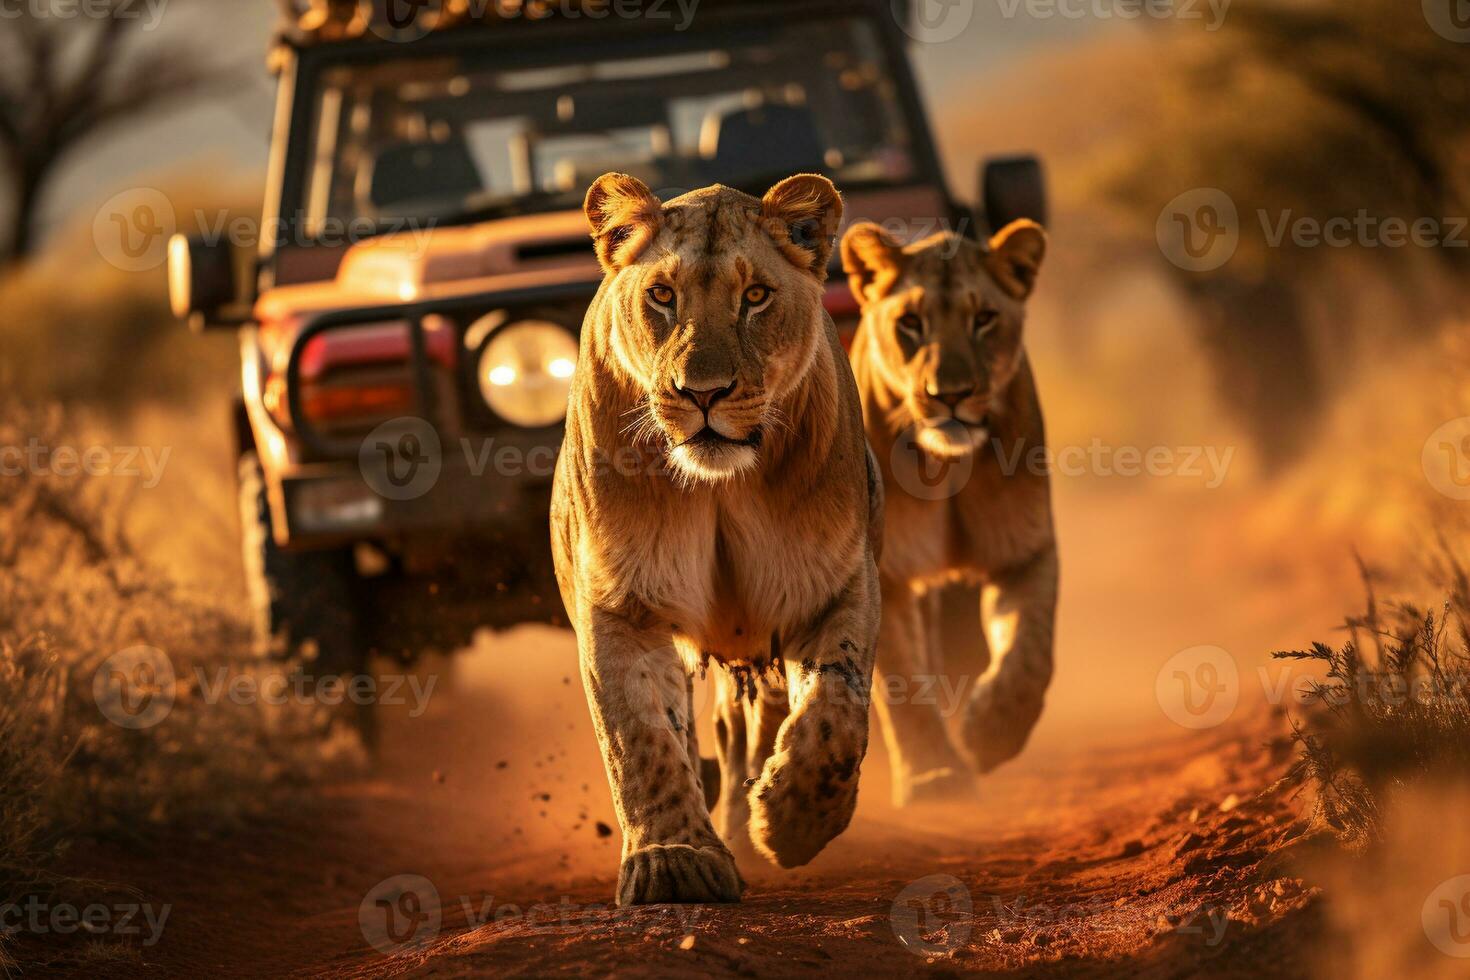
953, 417
715, 501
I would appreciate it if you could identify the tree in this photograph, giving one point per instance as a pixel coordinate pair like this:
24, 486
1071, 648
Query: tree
63, 79
1303, 109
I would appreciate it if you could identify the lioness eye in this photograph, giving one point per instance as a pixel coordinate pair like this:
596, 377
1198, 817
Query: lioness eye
756, 295
984, 321
911, 325
662, 295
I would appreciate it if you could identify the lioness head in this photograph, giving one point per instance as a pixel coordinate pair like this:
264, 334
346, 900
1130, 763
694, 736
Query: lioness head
716, 308
943, 318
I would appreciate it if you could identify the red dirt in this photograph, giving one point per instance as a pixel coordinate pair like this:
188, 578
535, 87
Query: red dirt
1117, 843
1078, 863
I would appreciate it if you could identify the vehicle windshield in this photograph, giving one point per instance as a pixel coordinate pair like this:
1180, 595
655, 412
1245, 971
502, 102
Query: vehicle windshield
495, 130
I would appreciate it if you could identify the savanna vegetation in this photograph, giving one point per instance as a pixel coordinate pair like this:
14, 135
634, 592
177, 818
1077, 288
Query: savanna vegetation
74, 594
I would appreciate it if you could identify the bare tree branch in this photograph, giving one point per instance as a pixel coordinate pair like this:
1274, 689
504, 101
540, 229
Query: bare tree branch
56, 89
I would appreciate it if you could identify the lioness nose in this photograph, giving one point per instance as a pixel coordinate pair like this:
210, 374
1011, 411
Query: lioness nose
705, 398
953, 396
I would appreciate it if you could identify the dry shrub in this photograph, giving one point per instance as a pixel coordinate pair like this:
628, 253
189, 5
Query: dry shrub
73, 594
1392, 711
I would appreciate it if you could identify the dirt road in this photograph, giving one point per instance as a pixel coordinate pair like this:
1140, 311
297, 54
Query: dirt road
485, 842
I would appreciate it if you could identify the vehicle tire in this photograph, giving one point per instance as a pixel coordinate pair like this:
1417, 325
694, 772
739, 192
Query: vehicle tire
303, 605
1015, 187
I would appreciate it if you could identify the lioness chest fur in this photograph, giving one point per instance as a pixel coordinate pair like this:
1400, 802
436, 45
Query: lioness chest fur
953, 416
715, 501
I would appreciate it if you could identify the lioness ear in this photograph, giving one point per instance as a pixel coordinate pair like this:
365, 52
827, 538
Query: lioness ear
872, 260
625, 217
801, 215
1015, 256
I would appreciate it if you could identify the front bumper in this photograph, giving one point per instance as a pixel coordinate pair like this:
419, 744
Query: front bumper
493, 486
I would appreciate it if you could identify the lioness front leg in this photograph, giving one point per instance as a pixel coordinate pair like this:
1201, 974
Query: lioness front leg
1018, 608
925, 764
637, 688
807, 790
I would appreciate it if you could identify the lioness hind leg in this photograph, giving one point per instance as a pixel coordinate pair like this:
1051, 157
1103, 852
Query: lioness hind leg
745, 733
925, 764
732, 812
1018, 608
638, 691
807, 790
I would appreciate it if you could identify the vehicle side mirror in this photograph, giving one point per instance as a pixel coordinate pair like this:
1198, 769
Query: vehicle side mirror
1012, 188
203, 284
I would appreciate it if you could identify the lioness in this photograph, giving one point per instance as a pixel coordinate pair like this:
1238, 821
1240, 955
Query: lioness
951, 408
715, 501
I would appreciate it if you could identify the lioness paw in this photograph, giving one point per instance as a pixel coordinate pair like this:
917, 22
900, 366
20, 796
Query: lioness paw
796, 809
996, 726
678, 873
936, 786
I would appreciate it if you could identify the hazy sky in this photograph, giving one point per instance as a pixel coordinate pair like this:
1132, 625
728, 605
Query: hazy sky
228, 135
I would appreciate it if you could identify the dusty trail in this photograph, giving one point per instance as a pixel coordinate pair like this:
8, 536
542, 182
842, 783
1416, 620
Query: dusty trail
1118, 841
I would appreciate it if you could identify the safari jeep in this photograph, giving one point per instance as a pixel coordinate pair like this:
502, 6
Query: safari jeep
409, 327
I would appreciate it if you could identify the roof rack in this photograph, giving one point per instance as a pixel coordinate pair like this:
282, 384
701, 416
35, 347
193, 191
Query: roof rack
308, 22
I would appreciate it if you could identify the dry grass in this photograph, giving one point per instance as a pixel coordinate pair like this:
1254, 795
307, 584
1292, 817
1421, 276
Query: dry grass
72, 594
1392, 711
80, 331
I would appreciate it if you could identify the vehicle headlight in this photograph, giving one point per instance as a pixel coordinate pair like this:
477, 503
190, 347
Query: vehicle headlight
525, 372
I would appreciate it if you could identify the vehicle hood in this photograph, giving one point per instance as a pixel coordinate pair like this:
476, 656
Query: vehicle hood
437, 263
